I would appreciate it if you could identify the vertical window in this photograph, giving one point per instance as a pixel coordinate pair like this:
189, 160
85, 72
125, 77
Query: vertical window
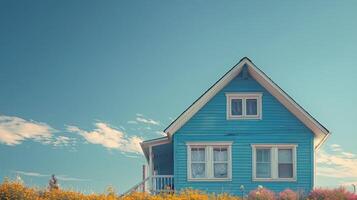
252, 106
198, 162
237, 107
285, 163
263, 163
244, 105
220, 162
274, 162
209, 161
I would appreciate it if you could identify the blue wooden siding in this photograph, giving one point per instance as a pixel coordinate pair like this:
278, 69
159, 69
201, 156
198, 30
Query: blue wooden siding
278, 125
163, 159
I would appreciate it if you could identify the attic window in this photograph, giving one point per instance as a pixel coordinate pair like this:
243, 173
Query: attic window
244, 105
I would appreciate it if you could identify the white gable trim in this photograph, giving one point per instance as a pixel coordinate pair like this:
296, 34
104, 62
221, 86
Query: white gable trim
200, 102
320, 132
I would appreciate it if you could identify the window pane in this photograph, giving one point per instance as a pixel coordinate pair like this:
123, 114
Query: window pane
221, 170
251, 107
263, 155
220, 154
285, 156
263, 163
236, 106
285, 159
263, 170
285, 170
198, 170
198, 154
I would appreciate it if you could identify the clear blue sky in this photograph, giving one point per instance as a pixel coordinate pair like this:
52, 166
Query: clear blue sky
73, 70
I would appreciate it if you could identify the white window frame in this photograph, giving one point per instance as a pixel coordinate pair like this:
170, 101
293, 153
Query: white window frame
209, 160
244, 97
274, 161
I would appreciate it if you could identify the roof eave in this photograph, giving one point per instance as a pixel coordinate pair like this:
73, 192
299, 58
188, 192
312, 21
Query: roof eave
145, 145
268, 84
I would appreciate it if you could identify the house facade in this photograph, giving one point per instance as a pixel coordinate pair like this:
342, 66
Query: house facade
244, 131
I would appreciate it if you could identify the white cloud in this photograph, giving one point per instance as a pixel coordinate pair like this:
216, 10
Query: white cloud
14, 130
34, 174
147, 121
63, 141
337, 164
59, 177
110, 138
335, 147
67, 178
348, 154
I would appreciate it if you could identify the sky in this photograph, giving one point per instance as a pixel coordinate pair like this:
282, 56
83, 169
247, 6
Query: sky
83, 82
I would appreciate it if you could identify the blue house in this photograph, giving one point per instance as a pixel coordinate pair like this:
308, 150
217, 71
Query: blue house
244, 130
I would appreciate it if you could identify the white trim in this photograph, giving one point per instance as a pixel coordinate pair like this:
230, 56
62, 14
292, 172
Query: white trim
151, 168
219, 143
320, 132
244, 96
182, 119
274, 161
155, 142
209, 169
314, 169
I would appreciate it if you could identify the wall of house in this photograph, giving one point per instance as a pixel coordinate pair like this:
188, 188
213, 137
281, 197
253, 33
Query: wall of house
277, 125
163, 159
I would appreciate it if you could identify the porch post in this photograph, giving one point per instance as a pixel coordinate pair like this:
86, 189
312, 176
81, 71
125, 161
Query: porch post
150, 162
144, 177
150, 173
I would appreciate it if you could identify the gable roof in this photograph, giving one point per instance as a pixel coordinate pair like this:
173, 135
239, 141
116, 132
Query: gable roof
320, 132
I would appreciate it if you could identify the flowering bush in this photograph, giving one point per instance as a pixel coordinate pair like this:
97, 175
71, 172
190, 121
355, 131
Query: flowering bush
333, 194
288, 195
13, 190
261, 194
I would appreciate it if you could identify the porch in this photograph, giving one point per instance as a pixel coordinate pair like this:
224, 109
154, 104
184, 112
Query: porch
154, 185
157, 175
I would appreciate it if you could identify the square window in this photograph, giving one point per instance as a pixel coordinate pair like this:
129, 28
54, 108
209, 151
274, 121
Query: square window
263, 170
198, 154
220, 170
220, 154
198, 170
209, 161
242, 106
274, 162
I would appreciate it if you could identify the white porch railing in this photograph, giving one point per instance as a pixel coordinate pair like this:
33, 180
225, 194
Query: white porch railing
154, 184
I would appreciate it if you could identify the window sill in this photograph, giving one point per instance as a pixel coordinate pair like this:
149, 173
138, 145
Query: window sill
245, 118
209, 179
274, 179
